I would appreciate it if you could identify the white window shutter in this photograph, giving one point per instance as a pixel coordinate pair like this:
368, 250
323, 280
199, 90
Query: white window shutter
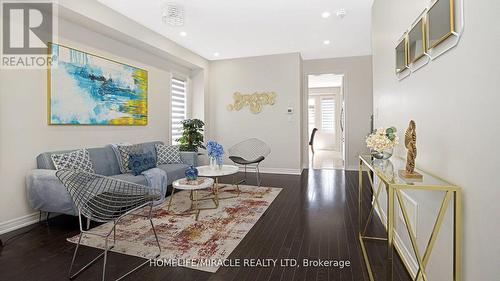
179, 104
328, 114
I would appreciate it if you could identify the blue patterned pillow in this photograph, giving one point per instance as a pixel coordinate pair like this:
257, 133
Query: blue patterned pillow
138, 163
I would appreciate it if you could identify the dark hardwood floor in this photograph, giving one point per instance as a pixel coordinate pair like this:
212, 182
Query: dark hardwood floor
314, 217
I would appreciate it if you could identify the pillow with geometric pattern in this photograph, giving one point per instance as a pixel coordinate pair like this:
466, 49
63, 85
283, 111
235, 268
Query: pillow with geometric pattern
139, 163
76, 160
125, 151
167, 154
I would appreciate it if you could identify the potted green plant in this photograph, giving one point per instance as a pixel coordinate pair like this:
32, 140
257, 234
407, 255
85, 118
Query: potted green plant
192, 136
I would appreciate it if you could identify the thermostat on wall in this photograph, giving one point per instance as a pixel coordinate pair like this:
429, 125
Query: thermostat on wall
289, 110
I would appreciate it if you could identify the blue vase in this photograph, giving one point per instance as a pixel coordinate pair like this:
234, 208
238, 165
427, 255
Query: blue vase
191, 173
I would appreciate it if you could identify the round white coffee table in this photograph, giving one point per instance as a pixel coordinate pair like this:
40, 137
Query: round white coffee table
193, 187
225, 170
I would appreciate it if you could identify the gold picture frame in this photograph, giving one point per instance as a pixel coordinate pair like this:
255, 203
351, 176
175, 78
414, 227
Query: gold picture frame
417, 36
401, 53
138, 108
437, 20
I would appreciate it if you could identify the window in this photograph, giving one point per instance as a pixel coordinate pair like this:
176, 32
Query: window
328, 114
179, 89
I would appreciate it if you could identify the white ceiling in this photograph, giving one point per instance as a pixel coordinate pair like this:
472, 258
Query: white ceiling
324, 81
244, 28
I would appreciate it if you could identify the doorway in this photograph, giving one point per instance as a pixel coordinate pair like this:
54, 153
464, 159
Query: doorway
325, 113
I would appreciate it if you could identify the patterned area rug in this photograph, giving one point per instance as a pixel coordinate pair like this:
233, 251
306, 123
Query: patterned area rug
213, 237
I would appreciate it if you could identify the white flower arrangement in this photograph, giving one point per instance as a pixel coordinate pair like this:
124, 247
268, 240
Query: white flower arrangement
382, 139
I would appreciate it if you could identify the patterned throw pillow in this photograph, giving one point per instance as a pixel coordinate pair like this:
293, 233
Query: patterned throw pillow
125, 151
75, 160
141, 162
168, 154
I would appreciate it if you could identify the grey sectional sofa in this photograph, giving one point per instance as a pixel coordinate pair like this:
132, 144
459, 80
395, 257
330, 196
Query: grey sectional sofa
46, 193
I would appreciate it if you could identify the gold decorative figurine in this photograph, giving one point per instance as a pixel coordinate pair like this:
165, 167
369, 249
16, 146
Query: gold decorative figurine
411, 146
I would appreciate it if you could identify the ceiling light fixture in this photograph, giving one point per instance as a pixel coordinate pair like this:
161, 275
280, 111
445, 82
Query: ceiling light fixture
325, 14
173, 14
216, 54
341, 13
326, 42
183, 33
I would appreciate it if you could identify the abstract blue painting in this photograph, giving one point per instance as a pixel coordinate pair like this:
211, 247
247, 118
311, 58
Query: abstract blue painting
86, 89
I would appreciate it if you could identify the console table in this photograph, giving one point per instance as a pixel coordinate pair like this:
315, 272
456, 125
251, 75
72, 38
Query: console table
387, 171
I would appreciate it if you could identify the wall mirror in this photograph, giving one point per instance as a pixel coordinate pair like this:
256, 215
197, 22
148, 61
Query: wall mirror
401, 56
440, 22
416, 41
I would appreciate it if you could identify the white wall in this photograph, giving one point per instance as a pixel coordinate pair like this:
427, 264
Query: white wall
454, 101
24, 132
278, 73
358, 98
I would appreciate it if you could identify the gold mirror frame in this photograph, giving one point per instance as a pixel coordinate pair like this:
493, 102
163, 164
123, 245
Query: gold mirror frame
452, 24
421, 24
403, 41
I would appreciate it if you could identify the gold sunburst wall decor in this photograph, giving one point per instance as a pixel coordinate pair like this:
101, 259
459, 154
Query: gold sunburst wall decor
254, 101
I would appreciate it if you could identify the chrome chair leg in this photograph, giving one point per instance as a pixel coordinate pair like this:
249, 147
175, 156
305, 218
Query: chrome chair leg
156, 237
105, 259
74, 256
114, 234
245, 174
88, 264
258, 175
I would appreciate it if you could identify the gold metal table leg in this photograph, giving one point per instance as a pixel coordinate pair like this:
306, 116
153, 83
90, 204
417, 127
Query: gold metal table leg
220, 187
195, 203
360, 193
360, 215
390, 231
457, 236
171, 197
196, 208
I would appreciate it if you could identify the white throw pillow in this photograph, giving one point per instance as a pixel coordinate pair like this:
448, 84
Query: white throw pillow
75, 160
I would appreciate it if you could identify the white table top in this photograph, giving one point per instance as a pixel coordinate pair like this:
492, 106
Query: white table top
207, 171
180, 184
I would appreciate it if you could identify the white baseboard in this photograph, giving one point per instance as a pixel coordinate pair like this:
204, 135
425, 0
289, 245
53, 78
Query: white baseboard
274, 171
13, 224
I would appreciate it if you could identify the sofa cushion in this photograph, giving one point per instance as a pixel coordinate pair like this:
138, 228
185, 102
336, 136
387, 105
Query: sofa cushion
76, 160
167, 154
139, 163
139, 179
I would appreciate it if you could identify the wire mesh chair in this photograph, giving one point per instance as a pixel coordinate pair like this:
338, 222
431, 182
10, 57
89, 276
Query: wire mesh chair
249, 153
104, 199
